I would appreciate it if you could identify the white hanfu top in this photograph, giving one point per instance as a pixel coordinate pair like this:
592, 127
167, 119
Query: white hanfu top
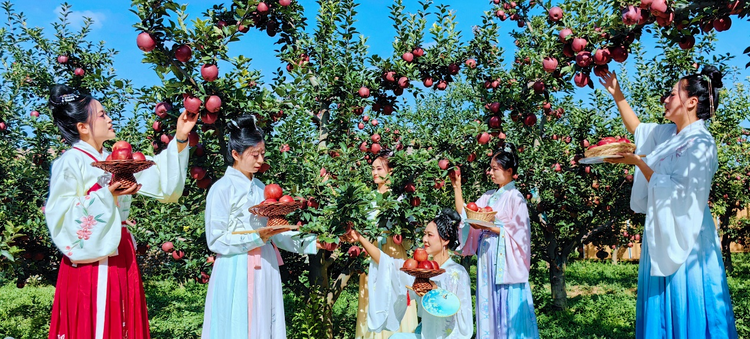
387, 288
675, 200
86, 227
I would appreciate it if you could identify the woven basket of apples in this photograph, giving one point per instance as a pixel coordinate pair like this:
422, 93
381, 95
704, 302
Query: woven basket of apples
422, 270
276, 206
123, 163
480, 213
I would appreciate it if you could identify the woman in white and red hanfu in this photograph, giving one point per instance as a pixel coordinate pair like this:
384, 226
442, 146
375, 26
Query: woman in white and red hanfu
99, 292
244, 298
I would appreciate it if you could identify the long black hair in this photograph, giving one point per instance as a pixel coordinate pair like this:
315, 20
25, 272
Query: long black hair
705, 86
507, 157
243, 134
447, 222
68, 109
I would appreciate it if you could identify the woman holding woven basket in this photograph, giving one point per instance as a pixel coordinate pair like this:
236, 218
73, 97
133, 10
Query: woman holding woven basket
382, 169
505, 308
244, 298
388, 283
99, 292
682, 285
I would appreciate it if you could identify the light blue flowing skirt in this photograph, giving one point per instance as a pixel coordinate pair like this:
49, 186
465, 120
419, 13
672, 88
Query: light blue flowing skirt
693, 302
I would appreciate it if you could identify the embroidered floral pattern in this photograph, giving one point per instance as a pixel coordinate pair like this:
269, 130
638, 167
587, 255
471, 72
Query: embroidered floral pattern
86, 224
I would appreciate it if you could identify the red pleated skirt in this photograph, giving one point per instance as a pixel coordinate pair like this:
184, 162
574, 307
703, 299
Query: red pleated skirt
74, 311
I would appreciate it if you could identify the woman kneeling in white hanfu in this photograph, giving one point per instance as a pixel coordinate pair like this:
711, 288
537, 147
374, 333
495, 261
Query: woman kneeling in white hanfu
387, 284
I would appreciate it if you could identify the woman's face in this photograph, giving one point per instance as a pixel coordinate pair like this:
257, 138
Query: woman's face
250, 161
380, 172
99, 126
499, 175
433, 243
677, 103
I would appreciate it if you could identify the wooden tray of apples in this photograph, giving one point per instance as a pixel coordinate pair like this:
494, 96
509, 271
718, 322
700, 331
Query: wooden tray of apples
123, 163
422, 269
480, 216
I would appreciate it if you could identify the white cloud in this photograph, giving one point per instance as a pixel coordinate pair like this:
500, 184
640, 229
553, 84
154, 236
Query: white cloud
429, 44
76, 18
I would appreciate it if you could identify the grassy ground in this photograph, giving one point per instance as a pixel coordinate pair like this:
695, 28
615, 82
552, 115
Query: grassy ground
601, 300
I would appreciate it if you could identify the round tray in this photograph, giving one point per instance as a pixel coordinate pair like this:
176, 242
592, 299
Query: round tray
275, 211
122, 170
598, 160
422, 272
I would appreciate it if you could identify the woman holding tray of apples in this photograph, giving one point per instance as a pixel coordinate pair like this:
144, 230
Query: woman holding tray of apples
99, 291
682, 285
381, 170
244, 299
505, 308
389, 283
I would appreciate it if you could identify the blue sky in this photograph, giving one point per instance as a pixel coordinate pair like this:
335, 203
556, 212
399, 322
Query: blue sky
113, 24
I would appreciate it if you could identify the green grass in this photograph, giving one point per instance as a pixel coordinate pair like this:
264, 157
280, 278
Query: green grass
601, 300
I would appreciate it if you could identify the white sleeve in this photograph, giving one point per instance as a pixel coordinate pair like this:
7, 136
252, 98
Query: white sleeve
676, 205
297, 242
387, 289
221, 222
645, 142
463, 326
85, 228
165, 180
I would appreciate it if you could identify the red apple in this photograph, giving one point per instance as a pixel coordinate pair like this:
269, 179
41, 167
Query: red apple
183, 53
722, 24
269, 201
619, 54
144, 41
538, 87
262, 8
471, 63
375, 137
192, 104
420, 254
178, 255
138, 156
549, 64
555, 14
659, 6
564, 34
273, 191
63, 59
410, 264
584, 59
487, 209
79, 72
209, 118
687, 42
443, 164
162, 109
418, 52
213, 104
410, 187
34, 114
529, 120
197, 172
578, 44
427, 82
408, 56
601, 70
354, 251
285, 2
472, 206
453, 69
403, 82
581, 79
483, 138
204, 183
364, 92
375, 148
209, 72
426, 265
415, 201
435, 265
286, 199
167, 246
397, 239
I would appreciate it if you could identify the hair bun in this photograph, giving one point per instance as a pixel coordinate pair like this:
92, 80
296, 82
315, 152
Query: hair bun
451, 214
57, 91
714, 74
247, 121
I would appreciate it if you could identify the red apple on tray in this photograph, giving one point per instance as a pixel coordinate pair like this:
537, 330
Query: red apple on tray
272, 191
138, 156
410, 264
472, 206
420, 254
427, 265
286, 199
269, 201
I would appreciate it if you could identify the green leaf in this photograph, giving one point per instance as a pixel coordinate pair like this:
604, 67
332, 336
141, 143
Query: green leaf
7, 254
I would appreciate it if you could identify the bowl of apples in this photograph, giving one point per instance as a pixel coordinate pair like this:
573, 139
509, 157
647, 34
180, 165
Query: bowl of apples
480, 216
123, 163
422, 270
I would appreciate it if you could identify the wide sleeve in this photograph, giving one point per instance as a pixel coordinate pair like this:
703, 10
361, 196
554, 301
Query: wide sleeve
646, 137
463, 322
387, 289
86, 228
165, 180
470, 235
222, 218
515, 221
676, 204
297, 242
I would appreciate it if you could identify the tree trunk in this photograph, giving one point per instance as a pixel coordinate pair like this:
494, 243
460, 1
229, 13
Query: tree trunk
614, 255
557, 283
726, 241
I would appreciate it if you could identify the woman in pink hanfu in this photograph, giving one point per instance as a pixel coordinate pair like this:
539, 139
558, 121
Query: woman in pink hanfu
504, 307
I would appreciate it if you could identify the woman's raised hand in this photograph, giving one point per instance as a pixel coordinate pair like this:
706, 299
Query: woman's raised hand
185, 124
609, 81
